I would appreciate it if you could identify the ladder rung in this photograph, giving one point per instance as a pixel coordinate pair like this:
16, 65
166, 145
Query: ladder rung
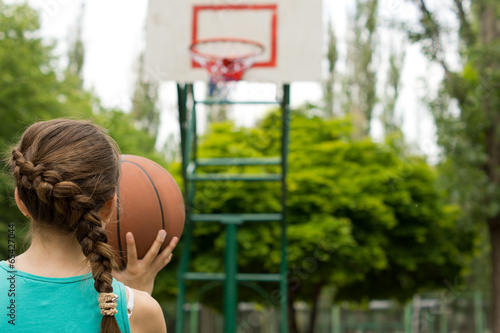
258, 277
205, 276
238, 102
236, 217
239, 277
234, 177
238, 161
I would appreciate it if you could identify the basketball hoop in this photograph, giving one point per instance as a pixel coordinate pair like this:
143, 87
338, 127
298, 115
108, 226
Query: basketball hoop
225, 59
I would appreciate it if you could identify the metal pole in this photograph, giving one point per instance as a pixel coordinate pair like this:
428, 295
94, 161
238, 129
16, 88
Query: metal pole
408, 318
191, 149
443, 318
182, 93
231, 284
430, 322
478, 313
285, 107
193, 317
181, 100
179, 322
335, 319
195, 134
415, 322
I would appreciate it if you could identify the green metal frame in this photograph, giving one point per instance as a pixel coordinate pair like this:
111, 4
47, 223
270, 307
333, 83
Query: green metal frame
190, 163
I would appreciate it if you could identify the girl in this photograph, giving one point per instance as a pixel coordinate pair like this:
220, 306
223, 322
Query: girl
66, 173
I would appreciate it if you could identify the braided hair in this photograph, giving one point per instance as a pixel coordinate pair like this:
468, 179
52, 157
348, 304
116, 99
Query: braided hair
65, 171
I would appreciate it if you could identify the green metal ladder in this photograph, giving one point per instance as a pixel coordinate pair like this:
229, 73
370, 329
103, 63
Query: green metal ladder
190, 164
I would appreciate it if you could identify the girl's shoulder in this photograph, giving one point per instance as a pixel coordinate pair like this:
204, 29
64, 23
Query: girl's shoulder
147, 315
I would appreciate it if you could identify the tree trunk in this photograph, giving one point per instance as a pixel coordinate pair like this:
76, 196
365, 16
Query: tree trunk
314, 309
494, 227
292, 320
489, 35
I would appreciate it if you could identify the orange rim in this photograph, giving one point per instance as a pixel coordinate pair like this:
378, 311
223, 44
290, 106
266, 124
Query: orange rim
226, 40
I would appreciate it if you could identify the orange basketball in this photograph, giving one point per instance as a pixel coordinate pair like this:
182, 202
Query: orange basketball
148, 199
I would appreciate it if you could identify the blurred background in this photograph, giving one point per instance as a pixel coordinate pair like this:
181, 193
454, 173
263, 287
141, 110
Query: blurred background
394, 158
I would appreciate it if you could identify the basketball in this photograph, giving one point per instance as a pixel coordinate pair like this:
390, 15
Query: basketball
148, 199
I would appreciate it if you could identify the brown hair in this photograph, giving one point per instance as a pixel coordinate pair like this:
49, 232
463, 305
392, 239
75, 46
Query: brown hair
65, 171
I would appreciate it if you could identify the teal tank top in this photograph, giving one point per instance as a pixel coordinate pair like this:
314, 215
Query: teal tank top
31, 303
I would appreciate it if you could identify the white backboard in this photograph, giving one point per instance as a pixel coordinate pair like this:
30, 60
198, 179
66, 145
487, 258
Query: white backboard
290, 30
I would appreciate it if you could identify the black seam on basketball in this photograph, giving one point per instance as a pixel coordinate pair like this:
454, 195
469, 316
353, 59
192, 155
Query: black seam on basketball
120, 252
156, 191
159, 167
156, 165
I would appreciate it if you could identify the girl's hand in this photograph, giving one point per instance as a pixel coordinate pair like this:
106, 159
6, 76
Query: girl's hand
140, 274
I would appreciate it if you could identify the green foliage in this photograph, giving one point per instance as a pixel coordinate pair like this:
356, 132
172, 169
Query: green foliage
33, 89
131, 140
359, 212
468, 127
362, 216
29, 90
25, 70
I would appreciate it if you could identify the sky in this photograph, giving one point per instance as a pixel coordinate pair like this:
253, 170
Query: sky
114, 36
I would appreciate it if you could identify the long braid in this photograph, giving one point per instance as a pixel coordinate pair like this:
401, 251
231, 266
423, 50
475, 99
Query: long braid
67, 195
93, 240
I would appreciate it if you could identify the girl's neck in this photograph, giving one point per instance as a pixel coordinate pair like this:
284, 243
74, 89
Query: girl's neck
53, 254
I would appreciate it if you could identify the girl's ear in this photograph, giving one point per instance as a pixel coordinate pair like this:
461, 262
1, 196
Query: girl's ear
108, 209
21, 205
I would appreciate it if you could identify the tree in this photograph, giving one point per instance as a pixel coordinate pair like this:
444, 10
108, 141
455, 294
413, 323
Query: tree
358, 213
29, 90
469, 135
360, 82
32, 89
329, 84
362, 75
392, 86
145, 109
76, 53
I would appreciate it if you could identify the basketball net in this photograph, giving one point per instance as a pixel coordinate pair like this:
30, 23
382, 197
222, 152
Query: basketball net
226, 60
